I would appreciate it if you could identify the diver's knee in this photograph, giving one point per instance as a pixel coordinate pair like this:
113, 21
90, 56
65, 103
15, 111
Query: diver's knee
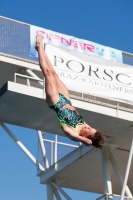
49, 72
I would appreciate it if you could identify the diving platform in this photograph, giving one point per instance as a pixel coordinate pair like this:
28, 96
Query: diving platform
23, 103
82, 170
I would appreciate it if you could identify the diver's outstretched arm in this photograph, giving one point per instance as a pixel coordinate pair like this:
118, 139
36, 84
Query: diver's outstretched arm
74, 136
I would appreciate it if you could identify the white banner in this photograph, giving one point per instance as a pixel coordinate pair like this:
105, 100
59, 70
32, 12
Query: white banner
92, 75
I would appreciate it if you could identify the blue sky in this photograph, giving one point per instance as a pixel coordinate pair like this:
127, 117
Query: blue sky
105, 22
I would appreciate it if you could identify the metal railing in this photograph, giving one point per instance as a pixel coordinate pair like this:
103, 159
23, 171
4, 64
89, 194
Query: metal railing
28, 80
54, 149
39, 83
112, 197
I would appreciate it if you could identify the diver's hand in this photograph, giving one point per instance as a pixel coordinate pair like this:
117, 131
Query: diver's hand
87, 142
70, 108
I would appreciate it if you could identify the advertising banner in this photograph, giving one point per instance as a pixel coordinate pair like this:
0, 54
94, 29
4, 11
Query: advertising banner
71, 42
92, 75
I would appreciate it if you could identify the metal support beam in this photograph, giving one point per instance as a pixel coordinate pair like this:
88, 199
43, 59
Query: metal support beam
56, 193
118, 173
106, 171
24, 149
43, 149
61, 191
55, 149
50, 195
127, 171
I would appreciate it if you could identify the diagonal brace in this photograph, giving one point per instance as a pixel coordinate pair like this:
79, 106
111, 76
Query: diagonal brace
61, 190
127, 170
118, 173
43, 149
24, 149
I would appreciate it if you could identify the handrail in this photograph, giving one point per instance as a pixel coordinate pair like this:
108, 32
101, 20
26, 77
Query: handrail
25, 76
107, 197
52, 151
65, 144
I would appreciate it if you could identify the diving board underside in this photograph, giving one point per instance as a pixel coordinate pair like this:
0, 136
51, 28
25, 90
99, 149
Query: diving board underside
26, 106
85, 173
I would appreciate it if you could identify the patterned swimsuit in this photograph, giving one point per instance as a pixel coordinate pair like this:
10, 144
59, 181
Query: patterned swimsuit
66, 116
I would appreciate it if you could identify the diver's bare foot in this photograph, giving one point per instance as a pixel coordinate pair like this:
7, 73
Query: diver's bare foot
38, 42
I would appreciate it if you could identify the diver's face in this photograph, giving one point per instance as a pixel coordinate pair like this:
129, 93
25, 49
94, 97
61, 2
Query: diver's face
87, 130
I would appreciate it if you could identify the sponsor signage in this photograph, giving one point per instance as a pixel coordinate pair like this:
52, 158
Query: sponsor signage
70, 42
92, 75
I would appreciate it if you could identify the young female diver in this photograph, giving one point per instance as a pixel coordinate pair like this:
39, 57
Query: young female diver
58, 99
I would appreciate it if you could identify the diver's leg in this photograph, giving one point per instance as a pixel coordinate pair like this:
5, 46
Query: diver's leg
60, 85
52, 95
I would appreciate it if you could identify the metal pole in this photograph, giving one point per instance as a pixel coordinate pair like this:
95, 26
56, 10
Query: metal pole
50, 195
43, 149
118, 173
15, 77
28, 82
34, 75
25, 150
52, 159
127, 171
62, 143
61, 191
55, 149
106, 171
56, 193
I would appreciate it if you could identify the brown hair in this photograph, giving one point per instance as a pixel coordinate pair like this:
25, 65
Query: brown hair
98, 139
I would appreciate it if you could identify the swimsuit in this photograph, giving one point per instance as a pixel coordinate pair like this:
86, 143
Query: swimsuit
66, 116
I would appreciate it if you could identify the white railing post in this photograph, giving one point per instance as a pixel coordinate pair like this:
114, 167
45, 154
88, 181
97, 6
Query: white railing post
118, 173
127, 171
15, 77
61, 191
50, 195
52, 156
28, 82
56, 193
43, 149
106, 171
55, 149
